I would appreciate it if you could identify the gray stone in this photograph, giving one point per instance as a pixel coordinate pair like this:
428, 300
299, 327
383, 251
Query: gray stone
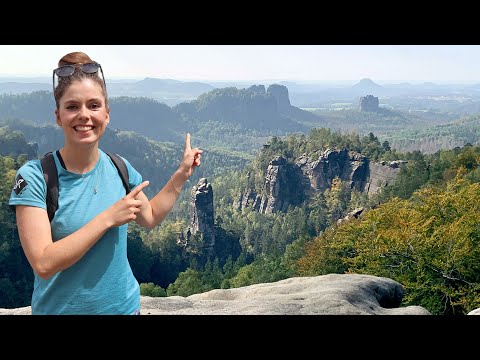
201, 212
352, 215
280, 93
332, 294
381, 175
290, 183
369, 103
347, 166
27, 310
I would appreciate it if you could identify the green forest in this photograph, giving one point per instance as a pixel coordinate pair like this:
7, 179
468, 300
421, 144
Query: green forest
421, 231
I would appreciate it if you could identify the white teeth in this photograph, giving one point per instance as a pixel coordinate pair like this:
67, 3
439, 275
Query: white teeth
83, 128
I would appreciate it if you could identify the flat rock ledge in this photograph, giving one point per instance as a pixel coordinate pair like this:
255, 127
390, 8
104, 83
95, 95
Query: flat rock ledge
332, 294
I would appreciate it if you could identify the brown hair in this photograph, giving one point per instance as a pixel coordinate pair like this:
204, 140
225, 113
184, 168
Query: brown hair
76, 58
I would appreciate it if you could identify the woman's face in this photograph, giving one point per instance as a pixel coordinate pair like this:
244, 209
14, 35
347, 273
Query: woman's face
82, 113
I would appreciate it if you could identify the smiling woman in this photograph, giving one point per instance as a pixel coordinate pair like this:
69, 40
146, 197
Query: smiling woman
83, 115
79, 255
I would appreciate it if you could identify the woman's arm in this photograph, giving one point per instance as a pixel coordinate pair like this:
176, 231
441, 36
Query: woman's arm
47, 257
154, 211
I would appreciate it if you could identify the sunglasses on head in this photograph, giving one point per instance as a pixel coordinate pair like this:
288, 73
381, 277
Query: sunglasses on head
67, 70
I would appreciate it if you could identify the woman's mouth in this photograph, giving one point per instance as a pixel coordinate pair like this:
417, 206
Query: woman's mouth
83, 128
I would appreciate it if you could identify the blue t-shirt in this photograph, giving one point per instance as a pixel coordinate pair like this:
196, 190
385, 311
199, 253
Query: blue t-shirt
101, 282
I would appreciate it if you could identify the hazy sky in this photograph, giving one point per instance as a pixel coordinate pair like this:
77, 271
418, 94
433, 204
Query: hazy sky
437, 63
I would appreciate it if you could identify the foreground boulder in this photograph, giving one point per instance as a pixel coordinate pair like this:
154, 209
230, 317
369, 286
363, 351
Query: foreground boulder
333, 294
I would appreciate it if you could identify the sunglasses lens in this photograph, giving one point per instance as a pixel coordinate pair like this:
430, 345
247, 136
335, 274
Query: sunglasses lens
90, 68
65, 70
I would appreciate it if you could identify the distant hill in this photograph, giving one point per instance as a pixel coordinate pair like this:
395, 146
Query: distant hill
20, 87
168, 91
302, 94
143, 115
366, 86
240, 120
431, 139
254, 108
154, 85
147, 117
37, 107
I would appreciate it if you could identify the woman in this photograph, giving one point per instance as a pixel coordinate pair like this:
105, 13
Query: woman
80, 258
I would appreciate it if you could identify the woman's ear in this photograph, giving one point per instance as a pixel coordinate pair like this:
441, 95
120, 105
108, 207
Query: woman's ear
57, 118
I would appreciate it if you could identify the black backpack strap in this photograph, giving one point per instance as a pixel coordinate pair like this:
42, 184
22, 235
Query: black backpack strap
50, 175
122, 169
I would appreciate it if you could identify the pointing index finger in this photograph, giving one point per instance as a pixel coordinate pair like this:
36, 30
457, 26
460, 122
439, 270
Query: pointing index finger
187, 142
139, 188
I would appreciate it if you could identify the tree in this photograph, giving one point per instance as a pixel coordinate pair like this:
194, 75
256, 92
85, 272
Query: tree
150, 289
188, 282
386, 146
428, 244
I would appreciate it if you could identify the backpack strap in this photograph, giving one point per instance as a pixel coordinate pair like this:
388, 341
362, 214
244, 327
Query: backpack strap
122, 169
50, 175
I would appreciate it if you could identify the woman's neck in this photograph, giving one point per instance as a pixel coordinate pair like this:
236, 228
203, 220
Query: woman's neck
78, 160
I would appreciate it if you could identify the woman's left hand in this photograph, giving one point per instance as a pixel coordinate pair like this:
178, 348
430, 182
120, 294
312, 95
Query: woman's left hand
191, 158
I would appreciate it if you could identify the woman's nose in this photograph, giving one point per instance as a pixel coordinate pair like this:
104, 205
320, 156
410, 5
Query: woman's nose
83, 112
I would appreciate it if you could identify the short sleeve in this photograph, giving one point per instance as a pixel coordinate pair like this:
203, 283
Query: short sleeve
29, 188
134, 177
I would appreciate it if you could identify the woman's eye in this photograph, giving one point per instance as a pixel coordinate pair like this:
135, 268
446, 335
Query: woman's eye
71, 107
94, 106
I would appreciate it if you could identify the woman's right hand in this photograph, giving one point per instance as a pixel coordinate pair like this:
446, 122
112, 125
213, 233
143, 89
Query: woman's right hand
125, 209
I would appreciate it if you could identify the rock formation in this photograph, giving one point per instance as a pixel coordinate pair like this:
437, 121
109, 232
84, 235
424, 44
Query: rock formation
352, 215
280, 93
332, 294
347, 166
202, 218
283, 186
369, 103
382, 174
290, 183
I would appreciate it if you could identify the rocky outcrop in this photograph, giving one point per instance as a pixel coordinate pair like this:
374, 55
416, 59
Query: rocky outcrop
290, 183
282, 186
382, 174
369, 103
280, 93
333, 294
201, 212
351, 215
347, 166
257, 89
250, 199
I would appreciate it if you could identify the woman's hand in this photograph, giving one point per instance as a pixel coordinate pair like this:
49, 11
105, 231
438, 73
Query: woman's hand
190, 160
126, 209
